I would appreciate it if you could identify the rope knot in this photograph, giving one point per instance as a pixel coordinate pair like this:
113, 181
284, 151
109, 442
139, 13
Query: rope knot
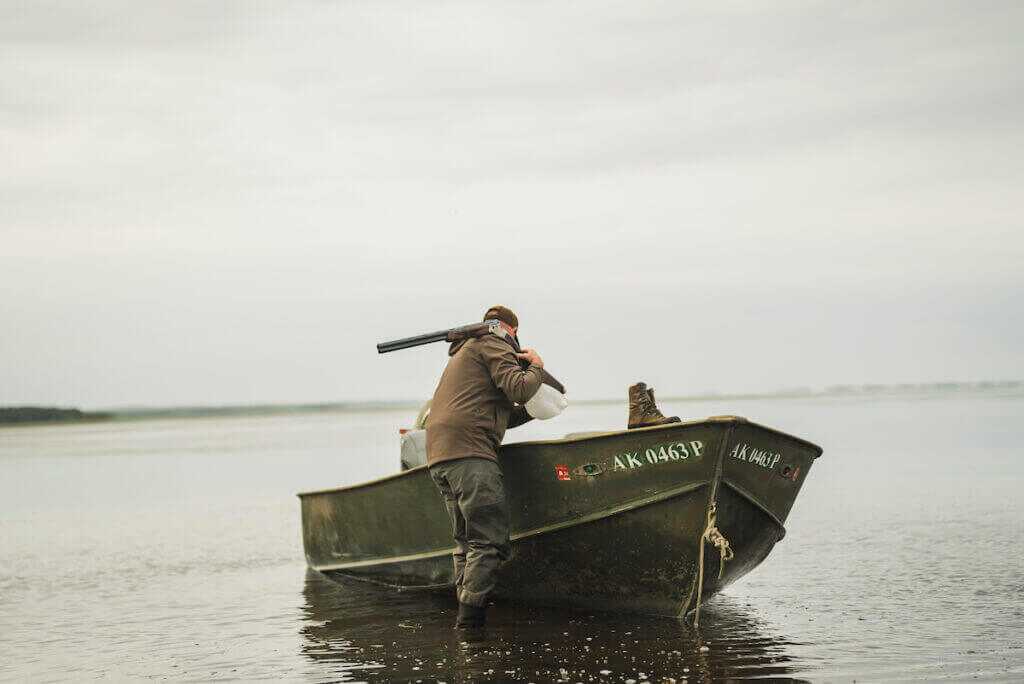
713, 536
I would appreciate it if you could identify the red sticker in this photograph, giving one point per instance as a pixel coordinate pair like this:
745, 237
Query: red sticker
562, 471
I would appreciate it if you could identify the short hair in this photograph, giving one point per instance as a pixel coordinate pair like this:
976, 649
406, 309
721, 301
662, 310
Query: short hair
503, 314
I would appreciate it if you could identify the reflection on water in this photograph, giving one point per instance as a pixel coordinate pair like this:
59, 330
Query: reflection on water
358, 631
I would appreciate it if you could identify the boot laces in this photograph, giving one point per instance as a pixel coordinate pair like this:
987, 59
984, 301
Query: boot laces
647, 405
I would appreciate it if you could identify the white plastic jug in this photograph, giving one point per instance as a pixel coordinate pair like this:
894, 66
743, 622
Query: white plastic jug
546, 403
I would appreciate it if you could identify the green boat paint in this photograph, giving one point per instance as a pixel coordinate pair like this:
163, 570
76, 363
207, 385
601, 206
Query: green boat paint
606, 521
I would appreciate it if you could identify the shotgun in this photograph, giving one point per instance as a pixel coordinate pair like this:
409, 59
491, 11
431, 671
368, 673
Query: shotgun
450, 335
461, 333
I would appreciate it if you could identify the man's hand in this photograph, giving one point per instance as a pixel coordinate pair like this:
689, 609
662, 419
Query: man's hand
532, 356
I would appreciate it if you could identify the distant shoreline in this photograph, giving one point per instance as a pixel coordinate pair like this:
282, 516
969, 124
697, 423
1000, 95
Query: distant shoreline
23, 416
48, 415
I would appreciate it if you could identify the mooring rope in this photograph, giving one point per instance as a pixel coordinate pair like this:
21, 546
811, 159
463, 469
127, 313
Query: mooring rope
714, 535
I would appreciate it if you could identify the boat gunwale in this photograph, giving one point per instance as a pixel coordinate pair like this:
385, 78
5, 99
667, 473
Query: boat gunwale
713, 420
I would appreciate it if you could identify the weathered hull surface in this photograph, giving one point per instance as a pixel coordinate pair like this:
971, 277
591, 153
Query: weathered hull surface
611, 521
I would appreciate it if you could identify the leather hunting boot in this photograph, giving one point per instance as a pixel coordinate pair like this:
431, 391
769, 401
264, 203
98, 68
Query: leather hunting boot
643, 412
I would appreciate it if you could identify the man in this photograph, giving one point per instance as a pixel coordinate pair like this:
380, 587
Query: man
480, 395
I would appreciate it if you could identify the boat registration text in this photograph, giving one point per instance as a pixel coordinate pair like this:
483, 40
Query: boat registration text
750, 454
659, 453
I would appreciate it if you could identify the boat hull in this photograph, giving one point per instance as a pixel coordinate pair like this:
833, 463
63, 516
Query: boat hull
612, 521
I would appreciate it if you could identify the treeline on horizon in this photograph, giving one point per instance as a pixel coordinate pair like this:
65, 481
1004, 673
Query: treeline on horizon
12, 415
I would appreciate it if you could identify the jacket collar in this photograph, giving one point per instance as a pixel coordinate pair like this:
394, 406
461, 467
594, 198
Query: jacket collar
500, 333
508, 337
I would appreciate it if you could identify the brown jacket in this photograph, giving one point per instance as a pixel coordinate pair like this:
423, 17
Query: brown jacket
476, 399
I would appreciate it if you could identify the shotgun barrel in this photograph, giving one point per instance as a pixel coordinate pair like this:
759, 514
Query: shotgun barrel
450, 335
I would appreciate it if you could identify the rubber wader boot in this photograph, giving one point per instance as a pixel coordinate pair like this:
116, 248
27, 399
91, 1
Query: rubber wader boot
471, 617
643, 412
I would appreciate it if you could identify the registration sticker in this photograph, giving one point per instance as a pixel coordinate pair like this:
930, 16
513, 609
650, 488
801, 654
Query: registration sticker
562, 472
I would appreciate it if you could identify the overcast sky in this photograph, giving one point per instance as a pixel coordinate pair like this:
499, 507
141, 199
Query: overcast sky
209, 203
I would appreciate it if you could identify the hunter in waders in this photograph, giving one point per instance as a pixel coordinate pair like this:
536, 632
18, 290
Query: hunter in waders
480, 395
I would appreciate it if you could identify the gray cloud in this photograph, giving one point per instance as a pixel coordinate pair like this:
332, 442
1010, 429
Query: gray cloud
232, 202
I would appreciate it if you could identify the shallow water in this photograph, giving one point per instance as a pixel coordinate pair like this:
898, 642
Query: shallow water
171, 549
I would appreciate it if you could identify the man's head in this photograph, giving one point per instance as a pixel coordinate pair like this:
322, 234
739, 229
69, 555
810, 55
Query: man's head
504, 314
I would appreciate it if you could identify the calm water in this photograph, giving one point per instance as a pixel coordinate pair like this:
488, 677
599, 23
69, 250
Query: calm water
171, 549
